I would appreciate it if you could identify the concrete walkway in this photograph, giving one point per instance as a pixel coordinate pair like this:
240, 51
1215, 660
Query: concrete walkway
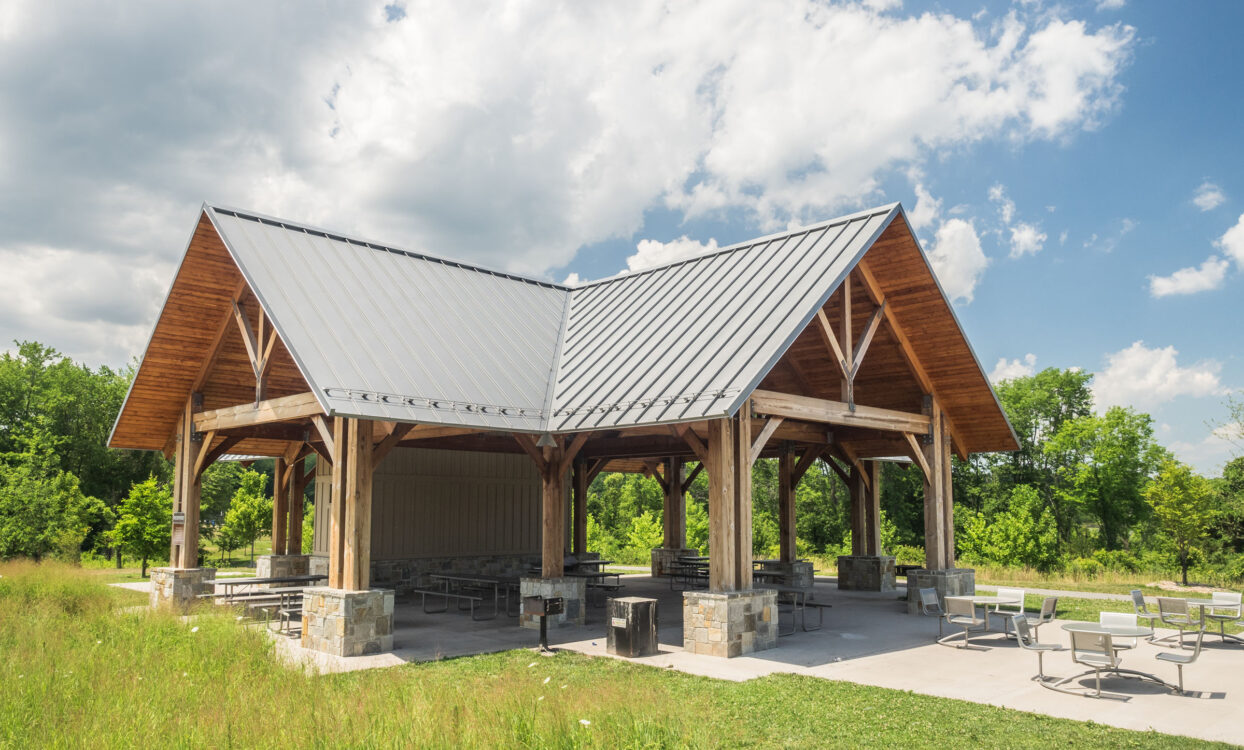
869, 639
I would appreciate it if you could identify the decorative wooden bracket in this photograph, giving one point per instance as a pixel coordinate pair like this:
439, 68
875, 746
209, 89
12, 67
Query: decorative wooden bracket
259, 345
389, 442
693, 441
850, 357
762, 437
686, 483
654, 471
547, 460
805, 462
917, 453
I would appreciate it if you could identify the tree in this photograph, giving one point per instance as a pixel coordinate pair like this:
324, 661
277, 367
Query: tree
1181, 503
250, 512
144, 522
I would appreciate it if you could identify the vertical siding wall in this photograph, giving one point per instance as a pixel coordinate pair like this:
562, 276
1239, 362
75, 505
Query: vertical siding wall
440, 503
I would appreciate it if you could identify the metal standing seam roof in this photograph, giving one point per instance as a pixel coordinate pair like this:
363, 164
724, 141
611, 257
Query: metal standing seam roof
384, 333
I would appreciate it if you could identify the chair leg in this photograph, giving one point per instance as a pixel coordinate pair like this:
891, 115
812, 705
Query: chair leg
1041, 665
1098, 675
1180, 669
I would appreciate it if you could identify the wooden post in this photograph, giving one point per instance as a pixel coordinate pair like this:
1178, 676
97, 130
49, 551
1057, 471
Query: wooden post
337, 507
786, 504
280, 505
580, 485
298, 489
675, 505
553, 498
858, 493
872, 508
188, 485
948, 498
935, 491
730, 502
357, 537
179, 464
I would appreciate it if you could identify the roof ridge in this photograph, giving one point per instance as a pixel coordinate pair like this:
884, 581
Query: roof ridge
876, 210
381, 246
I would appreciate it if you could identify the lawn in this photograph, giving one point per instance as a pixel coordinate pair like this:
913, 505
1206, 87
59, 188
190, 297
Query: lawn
80, 673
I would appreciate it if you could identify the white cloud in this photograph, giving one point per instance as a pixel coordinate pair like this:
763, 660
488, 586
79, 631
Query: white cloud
1190, 280
926, 211
1110, 4
1208, 196
957, 259
1009, 369
1062, 237
1208, 454
1232, 242
1026, 239
572, 279
1006, 206
651, 253
1143, 378
509, 134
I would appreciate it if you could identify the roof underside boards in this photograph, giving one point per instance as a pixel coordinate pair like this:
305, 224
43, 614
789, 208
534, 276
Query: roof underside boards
691, 340
390, 335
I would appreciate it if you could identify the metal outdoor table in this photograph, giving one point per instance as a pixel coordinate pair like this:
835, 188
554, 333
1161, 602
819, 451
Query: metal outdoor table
799, 605
983, 600
459, 582
230, 584
1204, 604
1118, 631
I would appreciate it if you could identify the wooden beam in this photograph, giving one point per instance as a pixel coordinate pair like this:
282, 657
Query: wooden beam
594, 470
866, 338
786, 506
218, 340
283, 409
280, 505
827, 334
529, 445
337, 507
842, 474
326, 434
654, 467
810, 409
693, 441
909, 353
686, 483
917, 453
571, 451
579, 484
934, 493
356, 574
805, 462
248, 336
225, 444
200, 459
762, 437
390, 441
853, 460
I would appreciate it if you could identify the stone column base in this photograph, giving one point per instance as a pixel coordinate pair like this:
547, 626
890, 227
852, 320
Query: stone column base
573, 590
180, 587
798, 574
317, 565
731, 623
347, 623
662, 557
279, 566
949, 582
866, 573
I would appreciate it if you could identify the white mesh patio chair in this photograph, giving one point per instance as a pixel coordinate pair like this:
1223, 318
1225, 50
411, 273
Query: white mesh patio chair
1049, 609
1007, 611
1181, 659
929, 605
1142, 610
1121, 643
1227, 608
961, 612
1027, 637
1174, 614
1095, 651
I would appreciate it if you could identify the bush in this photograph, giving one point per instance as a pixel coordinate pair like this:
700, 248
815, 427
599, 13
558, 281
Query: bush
1084, 568
1119, 561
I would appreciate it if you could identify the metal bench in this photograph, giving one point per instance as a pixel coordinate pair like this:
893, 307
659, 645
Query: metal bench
471, 599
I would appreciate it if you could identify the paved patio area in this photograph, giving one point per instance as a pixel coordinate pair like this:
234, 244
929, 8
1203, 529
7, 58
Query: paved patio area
868, 639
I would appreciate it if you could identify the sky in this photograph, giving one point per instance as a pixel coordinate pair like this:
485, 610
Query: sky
1074, 170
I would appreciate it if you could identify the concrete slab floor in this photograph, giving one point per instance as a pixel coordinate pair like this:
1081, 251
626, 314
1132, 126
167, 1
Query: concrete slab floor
868, 639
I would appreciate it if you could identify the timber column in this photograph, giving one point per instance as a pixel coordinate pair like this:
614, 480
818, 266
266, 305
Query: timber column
287, 495
939, 552
674, 513
865, 569
553, 462
183, 581
731, 618
793, 572
346, 618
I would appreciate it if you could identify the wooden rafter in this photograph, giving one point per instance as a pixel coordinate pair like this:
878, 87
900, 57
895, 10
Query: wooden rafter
283, 409
875, 293
848, 357
789, 406
259, 344
326, 434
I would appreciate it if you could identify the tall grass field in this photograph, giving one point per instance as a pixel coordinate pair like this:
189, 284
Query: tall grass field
83, 665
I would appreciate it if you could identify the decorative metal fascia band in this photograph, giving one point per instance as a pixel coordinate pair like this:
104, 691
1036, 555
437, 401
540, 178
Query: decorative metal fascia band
437, 404
648, 403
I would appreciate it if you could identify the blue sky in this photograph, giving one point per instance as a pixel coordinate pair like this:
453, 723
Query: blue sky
1074, 169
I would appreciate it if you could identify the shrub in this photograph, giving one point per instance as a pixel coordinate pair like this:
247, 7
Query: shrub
1084, 568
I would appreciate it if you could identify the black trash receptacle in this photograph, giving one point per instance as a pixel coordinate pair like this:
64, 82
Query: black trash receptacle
632, 626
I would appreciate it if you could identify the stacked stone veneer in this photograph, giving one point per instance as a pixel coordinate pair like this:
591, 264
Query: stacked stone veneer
317, 565
572, 590
866, 573
729, 624
407, 574
280, 566
347, 623
180, 587
798, 574
949, 582
662, 557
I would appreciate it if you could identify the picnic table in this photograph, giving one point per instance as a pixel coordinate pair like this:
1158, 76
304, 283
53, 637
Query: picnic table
231, 585
469, 589
799, 603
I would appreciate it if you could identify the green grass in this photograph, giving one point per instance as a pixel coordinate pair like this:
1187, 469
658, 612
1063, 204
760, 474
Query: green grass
79, 673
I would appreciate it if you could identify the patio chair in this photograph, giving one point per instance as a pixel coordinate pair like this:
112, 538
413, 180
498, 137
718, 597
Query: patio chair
1180, 660
1142, 610
1227, 608
1121, 643
1049, 608
1026, 634
961, 612
1095, 651
1007, 611
929, 605
1174, 613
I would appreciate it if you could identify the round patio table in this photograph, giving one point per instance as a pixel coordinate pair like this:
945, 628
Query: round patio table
1204, 604
1118, 631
